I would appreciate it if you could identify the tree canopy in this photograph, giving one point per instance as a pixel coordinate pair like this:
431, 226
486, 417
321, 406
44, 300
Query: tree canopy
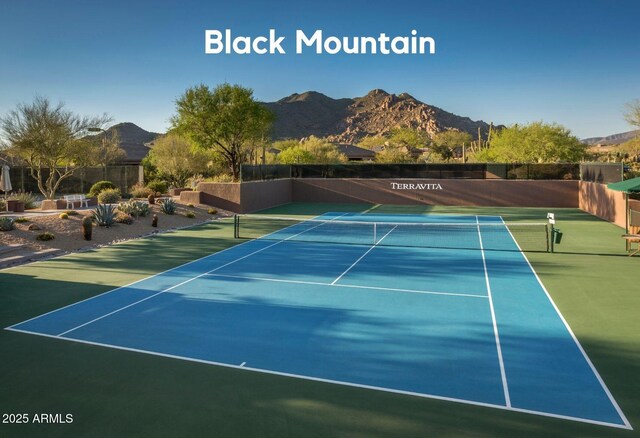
632, 115
51, 140
536, 142
226, 119
176, 159
444, 143
313, 150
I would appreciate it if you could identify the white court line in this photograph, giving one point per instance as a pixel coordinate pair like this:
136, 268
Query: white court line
503, 374
573, 336
335, 382
363, 256
354, 286
187, 281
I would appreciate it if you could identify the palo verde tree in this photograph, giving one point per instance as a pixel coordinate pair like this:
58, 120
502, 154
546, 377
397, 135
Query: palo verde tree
444, 143
177, 160
226, 120
50, 140
533, 143
632, 115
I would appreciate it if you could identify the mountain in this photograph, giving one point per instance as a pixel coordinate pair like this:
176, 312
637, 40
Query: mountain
613, 139
132, 140
348, 120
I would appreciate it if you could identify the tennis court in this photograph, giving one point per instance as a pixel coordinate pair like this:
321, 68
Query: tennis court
435, 306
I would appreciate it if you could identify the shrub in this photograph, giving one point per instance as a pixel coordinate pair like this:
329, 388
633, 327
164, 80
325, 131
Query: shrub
109, 196
21, 220
221, 177
63, 216
168, 206
27, 198
45, 236
190, 214
134, 208
99, 187
140, 191
71, 212
124, 218
6, 223
104, 215
190, 205
3, 205
158, 187
212, 211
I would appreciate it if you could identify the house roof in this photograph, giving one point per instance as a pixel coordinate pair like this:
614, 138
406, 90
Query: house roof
352, 151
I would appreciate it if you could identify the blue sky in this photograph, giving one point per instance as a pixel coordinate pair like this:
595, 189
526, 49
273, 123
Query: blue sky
573, 62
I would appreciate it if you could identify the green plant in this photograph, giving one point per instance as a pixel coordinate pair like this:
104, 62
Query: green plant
104, 215
221, 177
63, 216
139, 190
109, 196
25, 197
124, 218
190, 205
21, 220
6, 223
87, 227
45, 236
168, 206
71, 212
190, 214
98, 187
134, 208
212, 211
158, 187
3, 205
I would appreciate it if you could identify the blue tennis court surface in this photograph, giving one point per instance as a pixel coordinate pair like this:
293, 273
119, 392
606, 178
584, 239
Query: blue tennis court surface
467, 322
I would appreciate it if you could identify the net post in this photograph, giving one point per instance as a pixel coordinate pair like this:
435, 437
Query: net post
236, 226
553, 237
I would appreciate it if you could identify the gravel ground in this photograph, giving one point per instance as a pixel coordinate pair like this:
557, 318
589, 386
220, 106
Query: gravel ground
68, 232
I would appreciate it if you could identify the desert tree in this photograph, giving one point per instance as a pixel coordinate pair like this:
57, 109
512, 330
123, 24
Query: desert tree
632, 114
177, 159
51, 140
225, 120
536, 142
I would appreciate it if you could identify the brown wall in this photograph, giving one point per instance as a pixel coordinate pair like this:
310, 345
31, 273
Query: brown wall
221, 195
258, 195
606, 204
246, 197
514, 193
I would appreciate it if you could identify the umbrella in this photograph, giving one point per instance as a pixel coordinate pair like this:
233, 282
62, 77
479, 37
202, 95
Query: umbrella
5, 181
629, 186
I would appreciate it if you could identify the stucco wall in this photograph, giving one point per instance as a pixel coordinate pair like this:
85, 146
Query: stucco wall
221, 195
606, 204
514, 193
258, 195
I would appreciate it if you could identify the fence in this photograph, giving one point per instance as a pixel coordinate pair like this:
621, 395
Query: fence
602, 173
417, 171
81, 181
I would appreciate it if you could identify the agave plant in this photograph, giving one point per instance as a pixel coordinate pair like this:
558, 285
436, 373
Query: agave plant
104, 215
168, 206
6, 223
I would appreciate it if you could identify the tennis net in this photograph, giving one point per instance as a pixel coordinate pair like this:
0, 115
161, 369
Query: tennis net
471, 235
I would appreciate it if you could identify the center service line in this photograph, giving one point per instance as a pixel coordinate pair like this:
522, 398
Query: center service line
362, 256
503, 374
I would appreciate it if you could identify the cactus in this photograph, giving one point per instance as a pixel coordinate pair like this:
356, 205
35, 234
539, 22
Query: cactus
87, 227
104, 215
134, 208
154, 222
152, 199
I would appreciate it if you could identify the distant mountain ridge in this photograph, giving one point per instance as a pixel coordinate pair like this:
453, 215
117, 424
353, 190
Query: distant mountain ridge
613, 139
133, 140
348, 120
